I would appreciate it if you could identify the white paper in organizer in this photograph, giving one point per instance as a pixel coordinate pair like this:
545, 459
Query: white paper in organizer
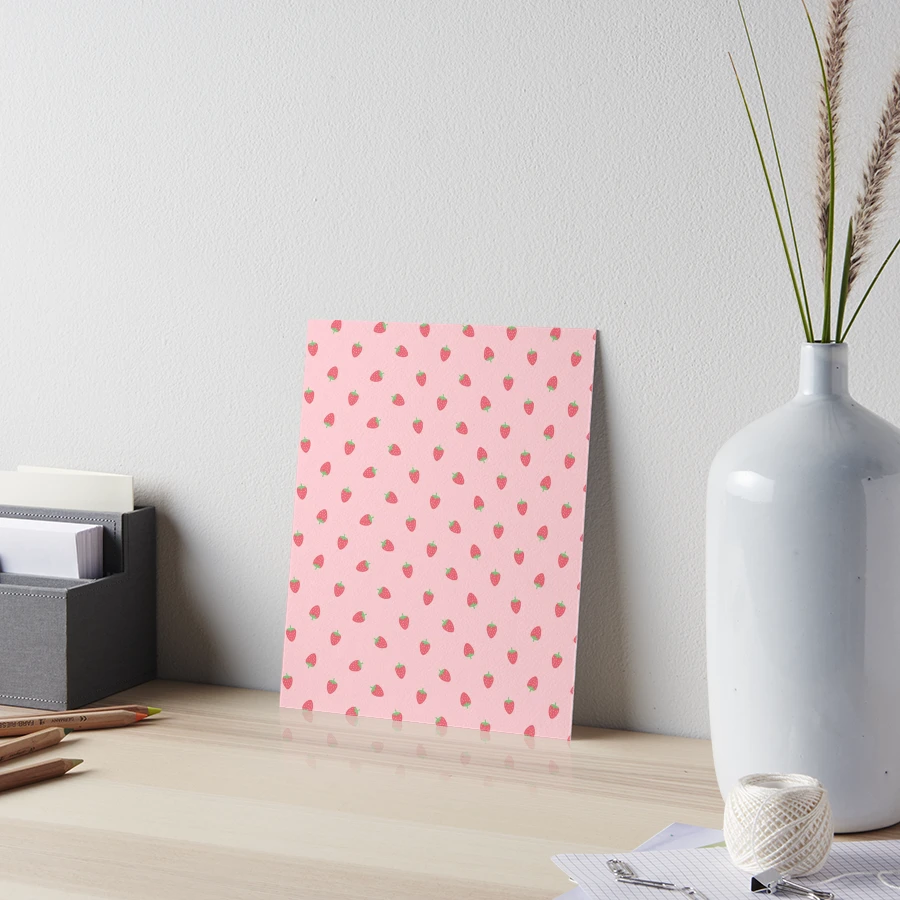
54, 549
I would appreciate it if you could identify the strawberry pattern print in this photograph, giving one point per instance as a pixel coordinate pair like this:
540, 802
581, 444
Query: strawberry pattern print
436, 545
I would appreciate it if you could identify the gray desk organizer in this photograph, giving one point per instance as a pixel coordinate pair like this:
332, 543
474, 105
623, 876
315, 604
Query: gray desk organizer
66, 643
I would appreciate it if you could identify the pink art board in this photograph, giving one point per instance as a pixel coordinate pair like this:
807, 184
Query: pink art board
438, 527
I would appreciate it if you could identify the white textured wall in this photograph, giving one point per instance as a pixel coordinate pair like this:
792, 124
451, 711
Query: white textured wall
183, 184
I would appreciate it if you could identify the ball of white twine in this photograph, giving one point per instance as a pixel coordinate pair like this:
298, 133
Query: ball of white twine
780, 821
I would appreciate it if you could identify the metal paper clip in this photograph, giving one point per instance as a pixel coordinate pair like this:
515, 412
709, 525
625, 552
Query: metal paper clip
626, 875
771, 882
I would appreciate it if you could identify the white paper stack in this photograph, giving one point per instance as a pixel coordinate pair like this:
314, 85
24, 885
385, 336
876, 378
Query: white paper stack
67, 489
56, 549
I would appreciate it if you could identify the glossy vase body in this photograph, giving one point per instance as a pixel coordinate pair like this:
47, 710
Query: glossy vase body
803, 597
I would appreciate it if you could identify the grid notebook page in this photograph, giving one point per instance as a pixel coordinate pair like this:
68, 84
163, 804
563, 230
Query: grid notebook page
712, 873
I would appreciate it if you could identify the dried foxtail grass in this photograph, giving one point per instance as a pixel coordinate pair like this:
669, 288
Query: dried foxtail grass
835, 49
878, 168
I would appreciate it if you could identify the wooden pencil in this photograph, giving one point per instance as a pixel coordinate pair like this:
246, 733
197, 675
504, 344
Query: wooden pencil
82, 721
53, 768
30, 743
131, 707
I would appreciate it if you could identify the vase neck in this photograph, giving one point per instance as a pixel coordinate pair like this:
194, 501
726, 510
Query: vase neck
823, 370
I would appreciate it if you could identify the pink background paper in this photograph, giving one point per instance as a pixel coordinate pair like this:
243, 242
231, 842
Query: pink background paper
358, 612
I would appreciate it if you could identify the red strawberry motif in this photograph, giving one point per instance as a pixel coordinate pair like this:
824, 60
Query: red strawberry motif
349, 447
404, 621
447, 625
352, 397
501, 481
366, 520
465, 381
478, 503
485, 404
542, 533
315, 612
427, 597
380, 327
390, 497
566, 510
451, 574
336, 326
441, 722
319, 561
515, 605
529, 731
491, 630
556, 660
313, 348
309, 395
511, 332
329, 420
387, 545
529, 407
359, 616
421, 696
457, 478
525, 457
384, 593
380, 642
301, 491
462, 428
393, 449
373, 422
298, 538
536, 633
455, 527
445, 354
488, 679
407, 570
532, 683
401, 351
572, 408
485, 726
548, 433
569, 461
410, 523
519, 557
444, 674
356, 665
552, 383
377, 690
377, 376
287, 681
559, 609
311, 660
488, 354
424, 647
512, 655
338, 589
576, 358
421, 378
325, 468
414, 476
475, 552
332, 373
471, 600
397, 399
400, 669
563, 560
397, 716
498, 530
468, 331
508, 382
424, 328
331, 686
431, 549
495, 578
481, 455
291, 633
509, 706
307, 706
305, 444
417, 426
438, 452
335, 638
522, 507
362, 566
322, 516
465, 700
539, 580
504, 431
295, 585
369, 472
545, 483
532, 357
356, 349
342, 542
553, 711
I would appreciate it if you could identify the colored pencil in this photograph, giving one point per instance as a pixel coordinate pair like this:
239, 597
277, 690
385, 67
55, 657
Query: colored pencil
146, 710
53, 768
83, 721
29, 743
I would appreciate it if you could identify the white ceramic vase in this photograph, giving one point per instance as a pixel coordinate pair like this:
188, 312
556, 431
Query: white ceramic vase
803, 597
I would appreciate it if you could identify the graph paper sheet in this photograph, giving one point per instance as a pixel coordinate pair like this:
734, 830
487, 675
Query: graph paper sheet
712, 873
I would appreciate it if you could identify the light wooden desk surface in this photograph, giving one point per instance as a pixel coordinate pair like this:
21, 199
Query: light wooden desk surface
227, 797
